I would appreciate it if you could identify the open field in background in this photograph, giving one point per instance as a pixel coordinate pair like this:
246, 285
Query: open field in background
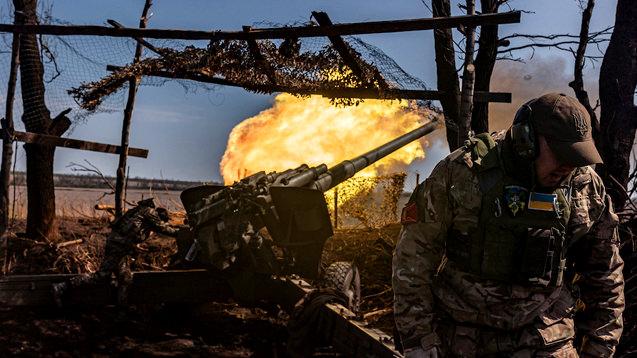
80, 202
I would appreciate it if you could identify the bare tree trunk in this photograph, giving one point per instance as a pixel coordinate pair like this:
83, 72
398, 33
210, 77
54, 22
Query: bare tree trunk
128, 114
617, 82
41, 222
446, 72
578, 82
7, 142
484, 63
468, 78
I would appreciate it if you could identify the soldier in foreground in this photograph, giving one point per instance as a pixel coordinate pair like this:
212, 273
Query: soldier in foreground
510, 247
130, 229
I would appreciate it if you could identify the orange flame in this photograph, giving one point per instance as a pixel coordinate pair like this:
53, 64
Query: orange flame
313, 131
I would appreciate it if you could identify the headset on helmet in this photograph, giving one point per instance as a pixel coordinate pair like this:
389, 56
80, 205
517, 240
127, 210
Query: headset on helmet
522, 133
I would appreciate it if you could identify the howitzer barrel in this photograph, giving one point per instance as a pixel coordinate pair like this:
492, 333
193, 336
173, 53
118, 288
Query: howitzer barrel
306, 176
346, 169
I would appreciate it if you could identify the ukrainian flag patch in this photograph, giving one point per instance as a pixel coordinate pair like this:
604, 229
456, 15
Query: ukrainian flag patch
542, 202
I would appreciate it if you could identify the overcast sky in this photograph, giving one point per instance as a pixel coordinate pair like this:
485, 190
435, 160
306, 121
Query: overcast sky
186, 133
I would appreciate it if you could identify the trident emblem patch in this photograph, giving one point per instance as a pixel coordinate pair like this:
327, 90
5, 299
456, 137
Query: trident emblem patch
580, 125
515, 198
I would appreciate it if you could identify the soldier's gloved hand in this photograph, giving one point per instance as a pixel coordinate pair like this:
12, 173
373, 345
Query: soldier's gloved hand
419, 352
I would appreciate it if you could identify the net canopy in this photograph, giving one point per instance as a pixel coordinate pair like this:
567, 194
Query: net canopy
76, 74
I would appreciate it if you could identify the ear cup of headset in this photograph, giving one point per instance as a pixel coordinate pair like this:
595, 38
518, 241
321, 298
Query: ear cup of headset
522, 133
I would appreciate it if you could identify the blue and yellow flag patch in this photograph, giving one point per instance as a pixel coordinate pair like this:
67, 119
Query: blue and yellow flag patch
542, 202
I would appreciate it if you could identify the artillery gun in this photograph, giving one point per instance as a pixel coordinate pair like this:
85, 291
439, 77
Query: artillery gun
275, 225
227, 222
259, 239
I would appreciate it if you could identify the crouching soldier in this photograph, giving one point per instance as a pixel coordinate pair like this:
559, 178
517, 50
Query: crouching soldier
130, 229
507, 239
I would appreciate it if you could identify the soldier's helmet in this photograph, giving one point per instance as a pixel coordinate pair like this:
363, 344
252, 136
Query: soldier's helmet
567, 128
147, 202
163, 214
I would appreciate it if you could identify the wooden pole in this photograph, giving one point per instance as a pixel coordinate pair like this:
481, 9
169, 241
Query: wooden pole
7, 145
344, 29
128, 114
15, 183
125, 188
336, 208
468, 79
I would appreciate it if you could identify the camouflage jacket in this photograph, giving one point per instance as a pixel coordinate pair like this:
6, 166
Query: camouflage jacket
428, 287
137, 223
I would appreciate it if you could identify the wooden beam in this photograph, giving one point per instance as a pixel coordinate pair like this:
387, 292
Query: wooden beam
365, 93
259, 59
46, 139
343, 29
499, 97
343, 49
147, 287
144, 43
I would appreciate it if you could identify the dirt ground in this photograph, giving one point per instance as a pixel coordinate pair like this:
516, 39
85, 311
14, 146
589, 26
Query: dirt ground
222, 329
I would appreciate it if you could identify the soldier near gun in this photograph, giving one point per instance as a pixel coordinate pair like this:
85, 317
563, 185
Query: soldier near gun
510, 247
132, 228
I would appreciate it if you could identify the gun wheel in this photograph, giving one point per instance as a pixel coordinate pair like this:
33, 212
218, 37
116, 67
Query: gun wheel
344, 277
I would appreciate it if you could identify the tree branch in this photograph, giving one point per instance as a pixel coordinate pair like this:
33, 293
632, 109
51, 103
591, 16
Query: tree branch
580, 56
558, 41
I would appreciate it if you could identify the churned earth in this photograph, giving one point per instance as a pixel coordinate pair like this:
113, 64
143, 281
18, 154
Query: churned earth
223, 329
220, 329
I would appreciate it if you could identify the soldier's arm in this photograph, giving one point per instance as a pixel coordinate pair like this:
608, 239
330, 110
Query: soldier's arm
416, 258
157, 224
599, 265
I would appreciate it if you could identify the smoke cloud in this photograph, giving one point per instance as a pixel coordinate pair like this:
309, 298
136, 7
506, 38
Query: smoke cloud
529, 80
524, 81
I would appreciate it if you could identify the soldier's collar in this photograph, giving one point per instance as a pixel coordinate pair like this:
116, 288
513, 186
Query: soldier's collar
565, 184
515, 167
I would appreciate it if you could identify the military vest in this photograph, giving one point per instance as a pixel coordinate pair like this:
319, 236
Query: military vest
520, 237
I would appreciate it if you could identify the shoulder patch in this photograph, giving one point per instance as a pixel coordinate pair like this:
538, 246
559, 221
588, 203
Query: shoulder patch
409, 214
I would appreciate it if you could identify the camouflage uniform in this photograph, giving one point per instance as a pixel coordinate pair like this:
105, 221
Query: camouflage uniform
438, 303
132, 228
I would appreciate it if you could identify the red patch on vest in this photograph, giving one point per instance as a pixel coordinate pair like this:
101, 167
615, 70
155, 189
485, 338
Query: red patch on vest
409, 214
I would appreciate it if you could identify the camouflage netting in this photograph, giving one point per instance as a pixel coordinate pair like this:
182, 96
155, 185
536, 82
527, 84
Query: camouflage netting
76, 75
289, 65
